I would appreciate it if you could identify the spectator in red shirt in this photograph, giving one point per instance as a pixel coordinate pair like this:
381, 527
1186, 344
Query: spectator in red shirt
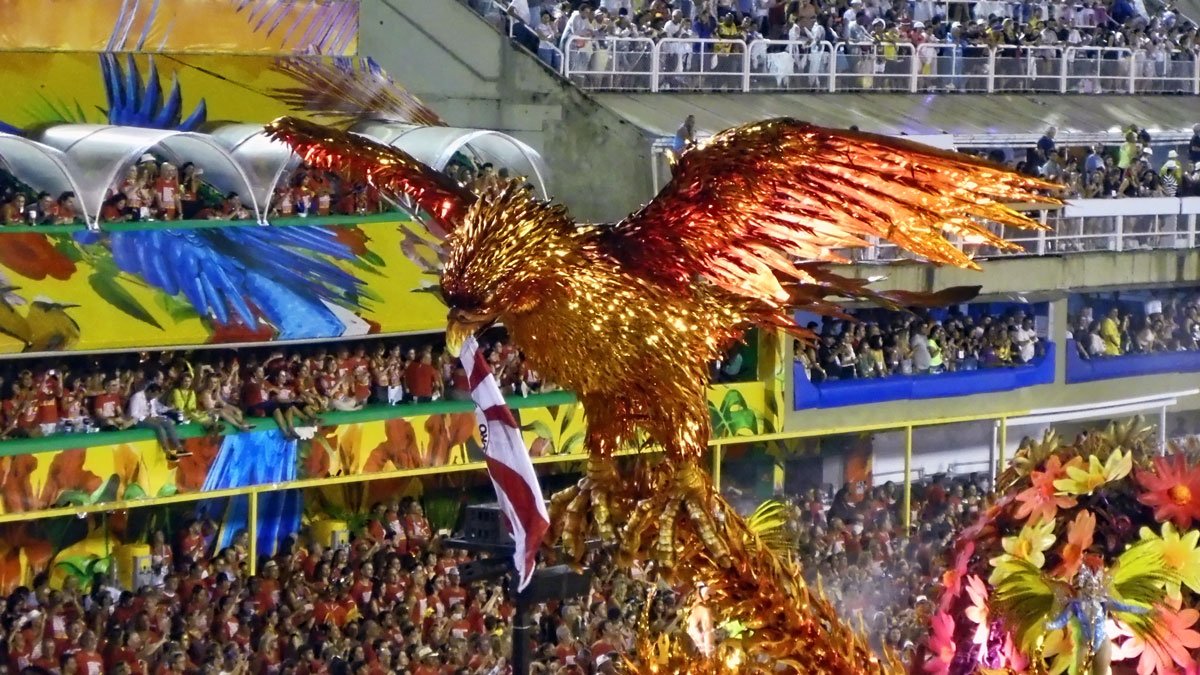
108, 409
192, 545
115, 209
453, 594
65, 212
46, 397
416, 527
231, 209
427, 662
166, 193
421, 379
87, 659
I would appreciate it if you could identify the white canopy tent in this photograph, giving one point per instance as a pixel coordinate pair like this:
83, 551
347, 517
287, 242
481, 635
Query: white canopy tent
41, 167
264, 159
437, 146
90, 159
100, 154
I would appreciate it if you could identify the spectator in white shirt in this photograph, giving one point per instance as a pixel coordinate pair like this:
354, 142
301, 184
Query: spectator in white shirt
519, 9
576, 37
147, 410
1026, 338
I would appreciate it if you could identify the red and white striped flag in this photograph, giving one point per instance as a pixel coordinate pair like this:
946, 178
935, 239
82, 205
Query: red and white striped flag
508, 462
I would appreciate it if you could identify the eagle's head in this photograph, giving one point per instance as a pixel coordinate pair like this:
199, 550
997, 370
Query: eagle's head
508, 252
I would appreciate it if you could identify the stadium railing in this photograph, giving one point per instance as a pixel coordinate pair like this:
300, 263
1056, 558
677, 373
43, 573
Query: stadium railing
672, 64
1085, 225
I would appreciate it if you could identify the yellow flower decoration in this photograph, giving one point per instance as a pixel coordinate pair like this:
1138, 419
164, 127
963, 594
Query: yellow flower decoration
1056, 648
1085, 481
1178, 553
1030, 545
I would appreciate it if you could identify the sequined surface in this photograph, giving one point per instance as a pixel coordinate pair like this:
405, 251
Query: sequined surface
628, 316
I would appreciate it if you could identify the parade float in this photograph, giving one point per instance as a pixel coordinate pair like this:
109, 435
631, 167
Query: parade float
1086, 562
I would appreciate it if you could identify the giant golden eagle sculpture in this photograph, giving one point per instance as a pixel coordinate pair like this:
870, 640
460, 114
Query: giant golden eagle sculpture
629, 315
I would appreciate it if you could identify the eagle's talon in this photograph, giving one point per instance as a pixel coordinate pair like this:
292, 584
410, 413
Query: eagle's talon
587, 508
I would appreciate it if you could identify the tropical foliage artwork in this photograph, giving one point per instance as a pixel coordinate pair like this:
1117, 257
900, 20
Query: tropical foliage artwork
553, 426
158, 288
400, 450
1088, 560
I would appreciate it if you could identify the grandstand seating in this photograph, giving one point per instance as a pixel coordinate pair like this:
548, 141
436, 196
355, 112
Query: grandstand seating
1002, 47
99, 163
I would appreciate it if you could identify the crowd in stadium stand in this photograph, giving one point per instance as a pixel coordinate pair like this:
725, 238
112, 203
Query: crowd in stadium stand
155, 190
1163, 323
152, 190
1132, 169
855, 544
1163, 35
879, 344
392, 601
293, 386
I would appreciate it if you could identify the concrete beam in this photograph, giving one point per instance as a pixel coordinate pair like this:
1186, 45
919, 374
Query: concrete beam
1072, 272
950, 410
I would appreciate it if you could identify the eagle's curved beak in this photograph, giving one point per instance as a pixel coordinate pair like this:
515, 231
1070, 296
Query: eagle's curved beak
462, 324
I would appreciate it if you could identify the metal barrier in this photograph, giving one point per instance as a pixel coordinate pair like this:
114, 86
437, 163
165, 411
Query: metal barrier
1166, 72
874, 66
676, 64
951, 67
611, 64
785, 65
1026, 69
703, 65
1097, 70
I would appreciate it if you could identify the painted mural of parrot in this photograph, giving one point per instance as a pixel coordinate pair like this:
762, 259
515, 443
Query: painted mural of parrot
628, 316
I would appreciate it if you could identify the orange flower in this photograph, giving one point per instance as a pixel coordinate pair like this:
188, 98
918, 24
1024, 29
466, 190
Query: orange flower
447, 432
352, 238
1017, 661
1172, 490
953, 576
18, 488
398, 447
67, 473
34, 256
192, 471
1041, 501
16, 541
1079, 540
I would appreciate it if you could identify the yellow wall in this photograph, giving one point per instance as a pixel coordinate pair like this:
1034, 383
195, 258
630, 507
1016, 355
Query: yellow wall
50, 87
277, 26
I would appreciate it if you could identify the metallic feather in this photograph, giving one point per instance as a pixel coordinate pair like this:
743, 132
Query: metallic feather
391, 170
744, 206
345, 90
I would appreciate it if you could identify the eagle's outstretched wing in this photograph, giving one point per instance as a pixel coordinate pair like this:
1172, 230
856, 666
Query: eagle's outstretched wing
746, 205
395, 173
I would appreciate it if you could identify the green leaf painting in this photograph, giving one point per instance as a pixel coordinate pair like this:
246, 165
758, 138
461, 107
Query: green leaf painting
107, 287
733, 417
